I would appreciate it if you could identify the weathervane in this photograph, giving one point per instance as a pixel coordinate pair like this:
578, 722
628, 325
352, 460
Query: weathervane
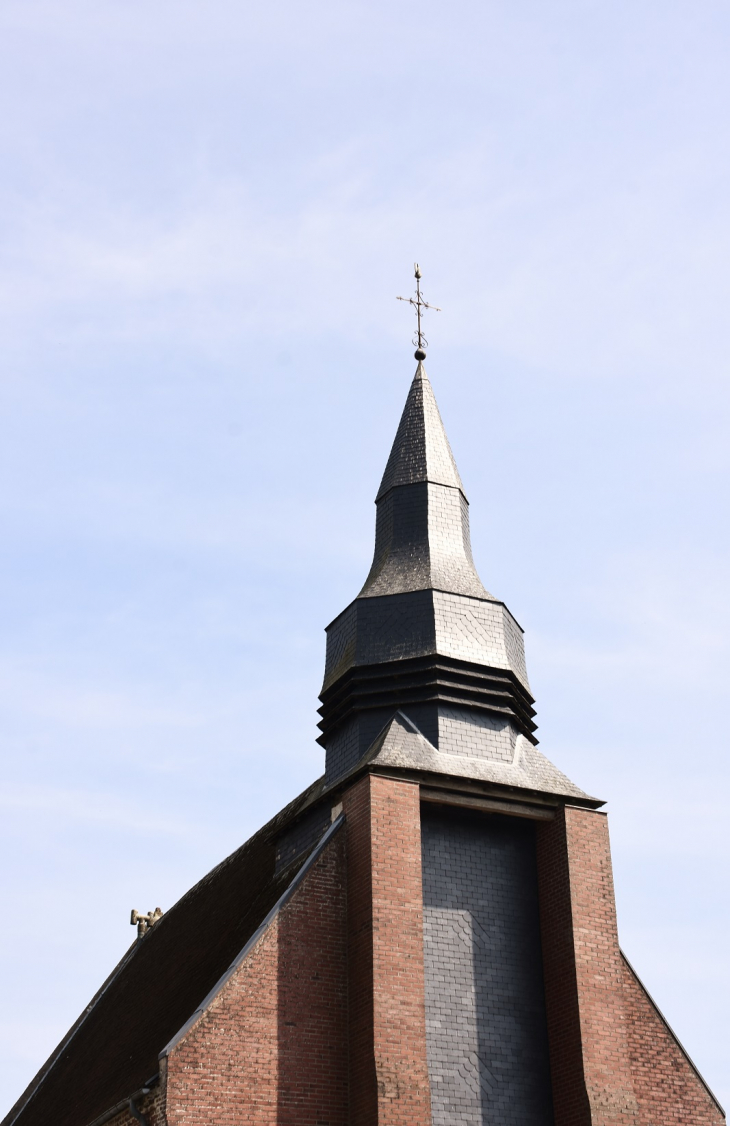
419, 304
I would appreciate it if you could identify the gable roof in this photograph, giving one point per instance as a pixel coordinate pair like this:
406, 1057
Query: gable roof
113, 1048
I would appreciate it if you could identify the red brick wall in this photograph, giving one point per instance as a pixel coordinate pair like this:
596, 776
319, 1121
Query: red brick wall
388, 1070
667, 1087
363, 1082
227, 1064
124, 1118
281, 1045
313, 1051
587, 1019
272, 1047
152, 1106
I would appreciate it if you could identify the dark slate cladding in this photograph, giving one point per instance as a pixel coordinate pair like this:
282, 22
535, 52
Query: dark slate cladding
381, 629
422, 540
483, 966
423, 632
113, 1048
344, 749
421, 450
383, 656
302, 835
401, 557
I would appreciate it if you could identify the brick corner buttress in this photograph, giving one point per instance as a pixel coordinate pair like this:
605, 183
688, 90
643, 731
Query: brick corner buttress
388, 1065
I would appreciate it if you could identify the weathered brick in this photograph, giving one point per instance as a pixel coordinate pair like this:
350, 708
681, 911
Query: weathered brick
272, 1045
388, 1067
587, 1019
668, 1089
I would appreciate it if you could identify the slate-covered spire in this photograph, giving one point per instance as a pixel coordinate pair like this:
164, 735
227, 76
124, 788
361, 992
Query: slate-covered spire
423, 637
422, 537
421, 450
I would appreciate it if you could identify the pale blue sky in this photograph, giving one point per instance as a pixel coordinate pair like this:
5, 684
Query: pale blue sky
206, 211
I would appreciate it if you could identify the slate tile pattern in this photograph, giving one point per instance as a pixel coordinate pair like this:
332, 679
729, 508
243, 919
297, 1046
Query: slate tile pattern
421, 450
402, 744
463, 731
485, 1006
423, 602
422, 540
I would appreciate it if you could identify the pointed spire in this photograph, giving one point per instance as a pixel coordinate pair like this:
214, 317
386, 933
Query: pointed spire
423, 634
421, 450
422, 537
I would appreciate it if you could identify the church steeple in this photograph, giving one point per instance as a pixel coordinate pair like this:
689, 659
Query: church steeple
423, 636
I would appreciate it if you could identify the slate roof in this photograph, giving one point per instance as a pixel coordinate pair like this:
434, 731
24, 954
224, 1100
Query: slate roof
423, 633
421, 450
113, 1048
401, 744
422, 539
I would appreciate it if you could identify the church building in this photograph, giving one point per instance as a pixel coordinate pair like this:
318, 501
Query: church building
427, 935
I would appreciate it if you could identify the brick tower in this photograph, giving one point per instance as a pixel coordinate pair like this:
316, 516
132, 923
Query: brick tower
427, 935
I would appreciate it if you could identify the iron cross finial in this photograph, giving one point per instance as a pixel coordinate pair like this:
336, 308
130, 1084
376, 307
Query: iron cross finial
419, 305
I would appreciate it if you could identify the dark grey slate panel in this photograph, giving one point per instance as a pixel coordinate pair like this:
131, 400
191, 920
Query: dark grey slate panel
421, 542
485, 1006
421, 450
395, 627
